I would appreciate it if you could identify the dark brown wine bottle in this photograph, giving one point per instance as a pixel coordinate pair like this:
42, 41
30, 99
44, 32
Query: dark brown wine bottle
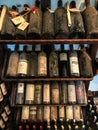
60, 24
35, 22
13, 63
23, 63
85, 63
63, 63
20, 93
73, 63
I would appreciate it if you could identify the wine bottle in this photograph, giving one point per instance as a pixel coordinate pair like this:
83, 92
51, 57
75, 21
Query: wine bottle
38, 93
63, 63
53, 63
90, 20
42, 63
13, 62
76, 113
2, 124
85, 63
55, 93
69, 114
3, 88
35, 22
73, 63
61, 28
23, 63
29, 97
48, 24
1, 96
71, 93
20, 93
53, 112
46, 113
46, 92
80, 92
7, 109
4, 115
25, 113
63, 92
33, 113
33, 63
39, 113
61, 113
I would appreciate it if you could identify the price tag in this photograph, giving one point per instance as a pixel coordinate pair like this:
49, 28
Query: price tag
23, 26
17, 20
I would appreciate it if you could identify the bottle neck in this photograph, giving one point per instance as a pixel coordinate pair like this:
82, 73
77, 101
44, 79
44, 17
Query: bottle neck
60, 3
87, 3
37, 3
62, 47
16, 47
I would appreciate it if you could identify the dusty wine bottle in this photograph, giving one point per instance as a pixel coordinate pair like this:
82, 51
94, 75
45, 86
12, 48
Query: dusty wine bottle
39, 113
85, 63
35, 22
23, 63
20, 93
25, 113
60, 22
3, 88
63, 63
33, 113
61, 113
4, 115
42, 63
54, 115
46, 92
29, 97
69, 113
76, 113
1, 96
63, 92
46, 113
53, 63
33, 63
71, 92
55, 93
2, 124
73, 63
13, 63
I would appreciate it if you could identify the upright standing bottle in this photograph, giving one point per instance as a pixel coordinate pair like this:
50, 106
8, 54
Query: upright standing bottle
60, 21
85, 63
53, 63
35, 22
63, 63
42, 63
13, 62
23, 63
73, 63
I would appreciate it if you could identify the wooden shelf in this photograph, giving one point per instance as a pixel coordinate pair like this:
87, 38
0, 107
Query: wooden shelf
51, 41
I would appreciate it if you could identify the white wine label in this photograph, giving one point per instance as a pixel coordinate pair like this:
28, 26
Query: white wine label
71, 93
1, 95
61, 112
55, 95
17, 20
47, 113
69, 112
53, 112
46, 93
22, 67
25, 112
20, 88
63, 57
4, 116
30, 92
3, 88
2, 125
23, 26
7, 109
74, 66
12, 66
77, 114
42, 65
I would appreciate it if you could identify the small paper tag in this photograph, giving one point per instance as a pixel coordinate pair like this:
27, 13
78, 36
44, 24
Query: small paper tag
74, 10
23, 26
50, 10
17, 20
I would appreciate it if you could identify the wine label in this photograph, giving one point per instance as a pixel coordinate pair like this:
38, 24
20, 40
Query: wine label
1, 96
2, 125
74, 66
71, 93
7, 110
22, 66
39, 113
25, 113
69, 113
4, 116
33, 112
53, 112
42, 65
17, 20
3, 88
13, 65
46, 93
47, 113
23, 26
20, 88
63, 57
76, 112
61, 112
30, 92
